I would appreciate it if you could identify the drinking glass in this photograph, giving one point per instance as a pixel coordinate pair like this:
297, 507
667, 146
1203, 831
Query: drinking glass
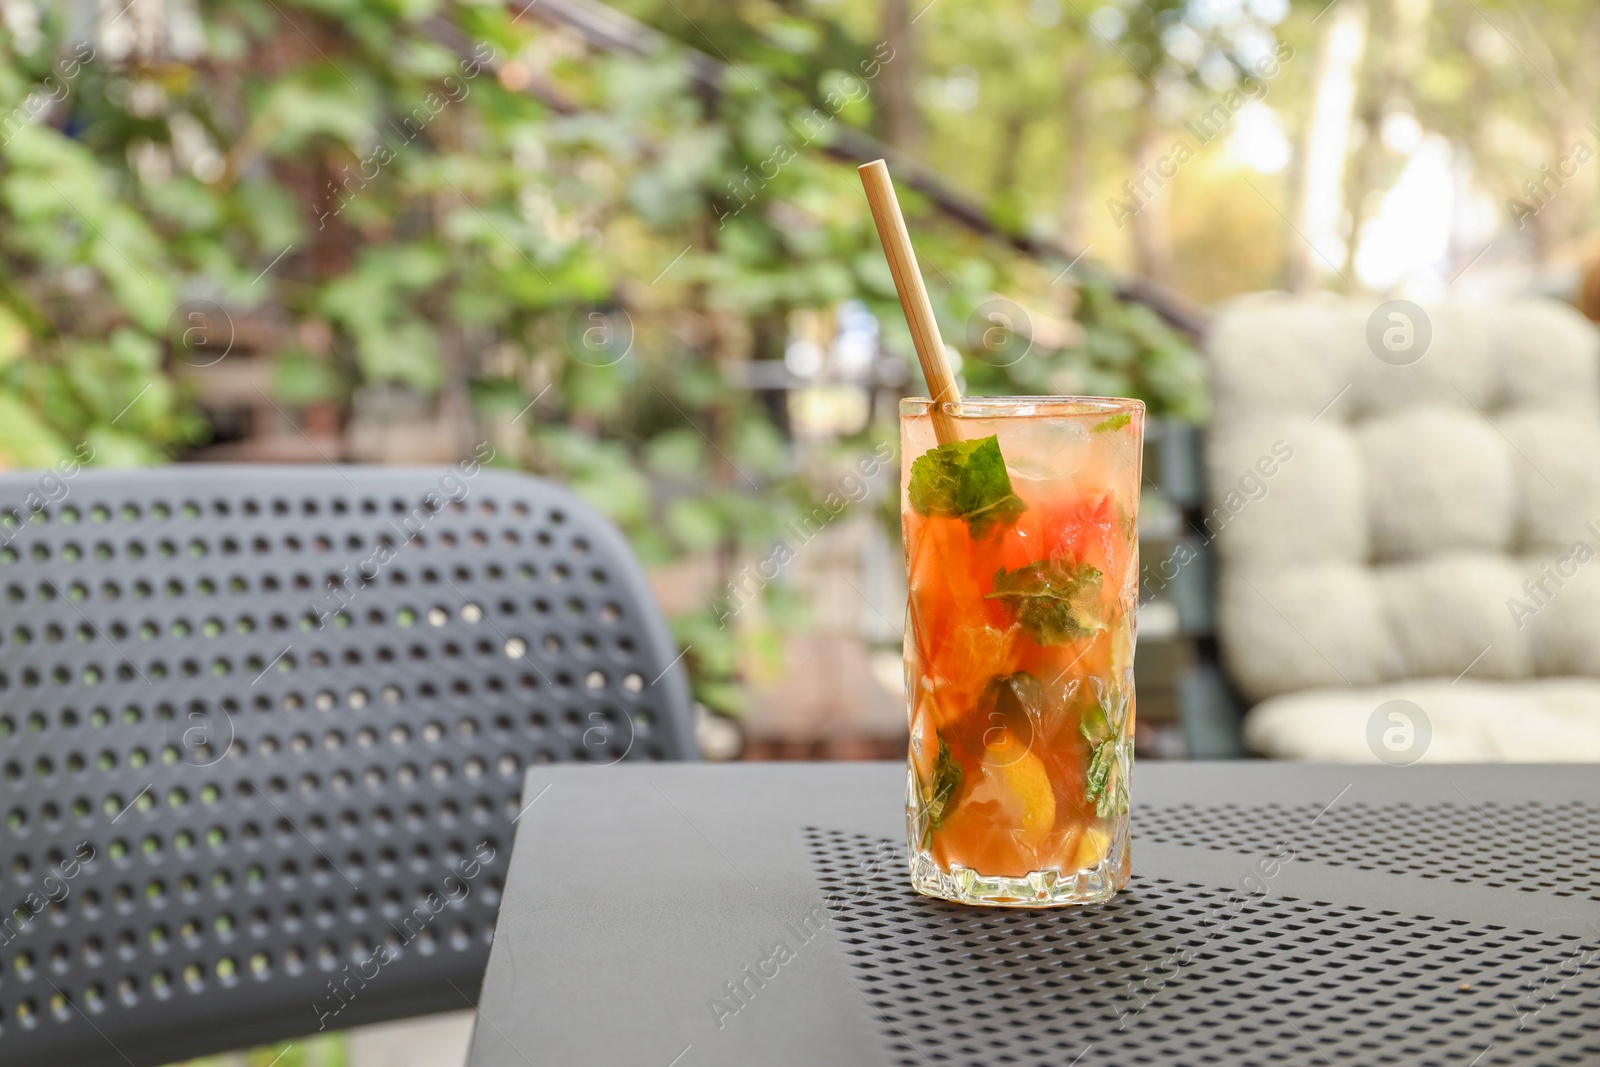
1021, 537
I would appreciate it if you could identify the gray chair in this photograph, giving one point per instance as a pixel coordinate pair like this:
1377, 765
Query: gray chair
262, 737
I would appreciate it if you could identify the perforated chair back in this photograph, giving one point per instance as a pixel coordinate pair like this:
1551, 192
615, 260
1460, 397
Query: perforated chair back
262, 736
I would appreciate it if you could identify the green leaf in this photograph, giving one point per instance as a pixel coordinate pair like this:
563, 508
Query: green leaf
677, 453
406, 353
759, 447
25, 439
300, 106
595, 391
1104, 783
1104, 727
1115, 422
115, 448
694, 523
1094, 726
725, 698
1053, 599
1100, 761
300, 378
14, 336
965, 480
947, 779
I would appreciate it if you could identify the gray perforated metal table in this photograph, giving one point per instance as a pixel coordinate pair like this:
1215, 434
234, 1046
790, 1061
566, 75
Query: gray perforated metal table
680, 916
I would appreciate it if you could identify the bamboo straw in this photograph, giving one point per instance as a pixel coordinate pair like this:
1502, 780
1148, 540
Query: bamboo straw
913, 297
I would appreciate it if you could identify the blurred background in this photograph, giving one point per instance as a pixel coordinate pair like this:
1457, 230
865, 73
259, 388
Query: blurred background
624, 247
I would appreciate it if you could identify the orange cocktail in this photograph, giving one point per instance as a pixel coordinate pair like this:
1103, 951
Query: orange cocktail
1022, 551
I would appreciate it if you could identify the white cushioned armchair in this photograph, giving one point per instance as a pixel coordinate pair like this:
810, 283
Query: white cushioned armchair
1427, 532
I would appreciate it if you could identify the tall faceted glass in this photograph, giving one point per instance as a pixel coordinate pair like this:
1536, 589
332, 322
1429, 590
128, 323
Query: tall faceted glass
1022, 553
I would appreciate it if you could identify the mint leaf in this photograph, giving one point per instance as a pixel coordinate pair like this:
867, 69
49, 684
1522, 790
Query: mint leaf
1105, 782
1054, 599
965, 480
1094, 726
1106, 785
1115, 422
1100, 763
947, 779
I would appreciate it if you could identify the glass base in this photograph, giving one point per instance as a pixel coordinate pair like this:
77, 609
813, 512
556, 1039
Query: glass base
1038, 889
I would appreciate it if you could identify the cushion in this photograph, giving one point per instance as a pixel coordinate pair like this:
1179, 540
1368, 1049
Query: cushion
1375, 523
1546, 720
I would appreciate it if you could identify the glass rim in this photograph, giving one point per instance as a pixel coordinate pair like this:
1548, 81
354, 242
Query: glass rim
1011, 406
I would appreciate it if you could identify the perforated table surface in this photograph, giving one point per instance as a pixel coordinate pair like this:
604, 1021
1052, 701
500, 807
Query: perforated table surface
683, 915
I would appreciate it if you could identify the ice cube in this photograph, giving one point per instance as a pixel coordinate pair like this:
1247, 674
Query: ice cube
1045, 449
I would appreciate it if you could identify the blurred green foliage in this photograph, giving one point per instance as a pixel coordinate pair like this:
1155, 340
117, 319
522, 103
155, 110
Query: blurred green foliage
457, 202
